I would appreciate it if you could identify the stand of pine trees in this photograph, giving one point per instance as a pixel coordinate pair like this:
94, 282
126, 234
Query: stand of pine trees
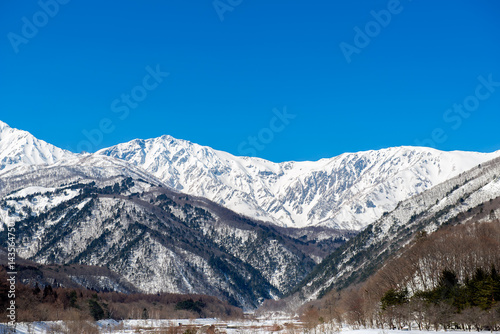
451, 304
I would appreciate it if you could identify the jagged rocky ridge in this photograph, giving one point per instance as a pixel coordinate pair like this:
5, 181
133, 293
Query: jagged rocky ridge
348, 192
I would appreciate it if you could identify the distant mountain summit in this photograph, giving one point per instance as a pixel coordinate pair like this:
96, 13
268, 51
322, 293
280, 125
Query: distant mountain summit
19, 147
345, 192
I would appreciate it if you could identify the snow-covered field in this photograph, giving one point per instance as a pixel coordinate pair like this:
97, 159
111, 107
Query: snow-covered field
280, 325
171, 326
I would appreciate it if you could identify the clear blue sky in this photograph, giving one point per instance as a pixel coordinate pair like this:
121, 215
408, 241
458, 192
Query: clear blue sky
77, 68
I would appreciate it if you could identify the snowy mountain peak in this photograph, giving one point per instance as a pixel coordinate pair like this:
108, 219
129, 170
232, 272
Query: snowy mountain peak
3, 126
19, 147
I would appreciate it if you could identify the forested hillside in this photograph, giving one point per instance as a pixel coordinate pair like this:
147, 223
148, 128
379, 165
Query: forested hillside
53, 302
447, 279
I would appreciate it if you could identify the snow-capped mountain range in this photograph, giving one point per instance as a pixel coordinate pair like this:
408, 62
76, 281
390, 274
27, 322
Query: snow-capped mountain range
346, 192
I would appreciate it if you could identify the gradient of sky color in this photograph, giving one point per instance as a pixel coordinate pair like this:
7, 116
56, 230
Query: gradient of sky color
227, 76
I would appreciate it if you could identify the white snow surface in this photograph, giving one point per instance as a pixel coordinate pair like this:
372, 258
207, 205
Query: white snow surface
229, 327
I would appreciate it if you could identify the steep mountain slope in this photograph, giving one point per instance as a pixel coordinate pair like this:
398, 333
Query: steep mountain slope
19, 147
468, 196
345, 192
158, 240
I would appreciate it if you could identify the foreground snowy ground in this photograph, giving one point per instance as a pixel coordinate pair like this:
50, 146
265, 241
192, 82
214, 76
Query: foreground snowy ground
181, 326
